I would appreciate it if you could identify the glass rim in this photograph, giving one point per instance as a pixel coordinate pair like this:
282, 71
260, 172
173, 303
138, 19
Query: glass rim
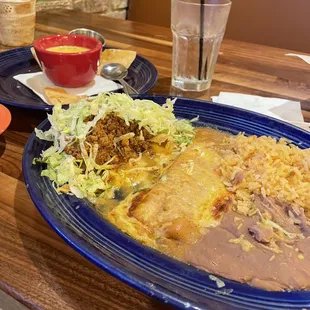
228, 3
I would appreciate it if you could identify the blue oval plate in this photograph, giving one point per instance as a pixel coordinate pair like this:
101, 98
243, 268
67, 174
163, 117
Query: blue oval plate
142, 75
145, 269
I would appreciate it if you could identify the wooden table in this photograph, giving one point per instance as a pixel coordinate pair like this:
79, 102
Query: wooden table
37, 268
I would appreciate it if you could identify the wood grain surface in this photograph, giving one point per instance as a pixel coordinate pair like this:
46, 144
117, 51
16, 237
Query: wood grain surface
36, 267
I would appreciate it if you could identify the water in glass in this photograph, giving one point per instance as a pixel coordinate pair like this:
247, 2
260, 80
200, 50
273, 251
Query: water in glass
197, 35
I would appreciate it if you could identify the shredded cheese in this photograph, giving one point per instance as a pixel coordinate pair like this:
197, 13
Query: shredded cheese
245, 244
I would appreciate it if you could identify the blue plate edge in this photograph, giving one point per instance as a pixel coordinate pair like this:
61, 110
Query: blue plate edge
47, 108
134, 281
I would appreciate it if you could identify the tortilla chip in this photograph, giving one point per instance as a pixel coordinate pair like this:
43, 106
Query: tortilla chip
34, 54
59, 95
123, 57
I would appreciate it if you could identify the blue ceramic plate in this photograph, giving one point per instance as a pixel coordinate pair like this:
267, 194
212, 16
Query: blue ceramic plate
147, 270
142, 75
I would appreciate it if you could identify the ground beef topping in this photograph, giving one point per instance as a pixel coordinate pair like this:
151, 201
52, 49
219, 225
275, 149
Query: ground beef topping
106, 133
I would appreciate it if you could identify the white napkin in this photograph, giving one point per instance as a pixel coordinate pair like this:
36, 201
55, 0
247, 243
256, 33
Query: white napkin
283, 109
303, 57
38, 81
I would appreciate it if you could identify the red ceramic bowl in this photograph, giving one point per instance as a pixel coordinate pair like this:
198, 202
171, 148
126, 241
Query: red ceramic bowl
69, 69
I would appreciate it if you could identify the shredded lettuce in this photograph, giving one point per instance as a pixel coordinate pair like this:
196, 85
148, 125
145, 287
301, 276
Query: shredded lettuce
74, 124
69, 124
87, 185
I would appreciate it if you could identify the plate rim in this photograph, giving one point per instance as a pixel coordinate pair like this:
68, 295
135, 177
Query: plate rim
47, 107
133, 280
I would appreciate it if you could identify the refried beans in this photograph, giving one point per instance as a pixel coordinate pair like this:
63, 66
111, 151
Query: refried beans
218, 218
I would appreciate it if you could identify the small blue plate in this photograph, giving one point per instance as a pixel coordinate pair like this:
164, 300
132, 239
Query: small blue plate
142, 75
145, 269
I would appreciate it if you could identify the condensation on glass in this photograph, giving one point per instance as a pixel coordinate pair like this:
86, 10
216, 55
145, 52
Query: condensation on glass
198, 30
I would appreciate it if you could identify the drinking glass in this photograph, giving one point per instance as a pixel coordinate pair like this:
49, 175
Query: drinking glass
198, 27
17, 22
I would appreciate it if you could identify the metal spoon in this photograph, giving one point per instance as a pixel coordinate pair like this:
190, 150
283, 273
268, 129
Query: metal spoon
117, 72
